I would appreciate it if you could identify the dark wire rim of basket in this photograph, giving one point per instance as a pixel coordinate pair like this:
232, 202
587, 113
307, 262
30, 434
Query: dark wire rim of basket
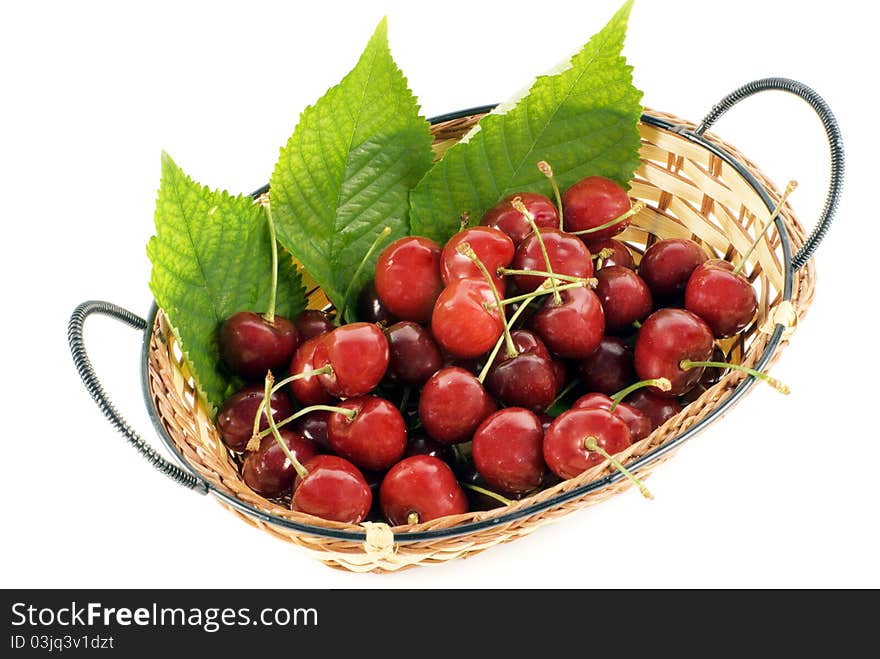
189, 476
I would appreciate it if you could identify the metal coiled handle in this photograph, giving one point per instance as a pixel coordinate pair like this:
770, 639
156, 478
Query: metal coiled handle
90, 379
835, 142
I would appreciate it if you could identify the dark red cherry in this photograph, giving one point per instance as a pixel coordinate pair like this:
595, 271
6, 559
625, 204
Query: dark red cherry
505, 217
574, 328
657, 408
408, 277
374, 439
667, 265
568, 256
251, 346
493, 247
268, 471
370, 308
638, 423
421, 444
334, 489
610, 368
309, 390
413, 353
358, 355
560, 373
419, 489
507, 450
723, 298
235, 419
620, 254
463, 322
452, 405
565, 449
592, 202
545, 420
313, 426
624, 296
311, 323
666, 338
526, 380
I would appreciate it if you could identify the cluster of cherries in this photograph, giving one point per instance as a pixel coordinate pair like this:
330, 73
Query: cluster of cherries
439, 399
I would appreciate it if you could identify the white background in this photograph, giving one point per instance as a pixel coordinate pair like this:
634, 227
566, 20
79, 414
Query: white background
781, 492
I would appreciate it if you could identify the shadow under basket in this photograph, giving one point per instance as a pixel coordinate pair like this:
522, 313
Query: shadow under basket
693, 185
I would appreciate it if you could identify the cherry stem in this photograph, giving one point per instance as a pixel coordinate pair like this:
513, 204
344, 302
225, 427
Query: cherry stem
585, 283
492, 355
351, 414
781, 387
412, 518
636, 208
571, 385
297, 465
467, 250
263, 200
592, 444
603, 254
464, 220
661, 383
547, 171
791, 187
263, 403
517, 203
404, 400
347, 296
553, 275
488, 493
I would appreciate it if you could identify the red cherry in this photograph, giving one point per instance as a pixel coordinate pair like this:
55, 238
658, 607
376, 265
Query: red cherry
526, 380
333, 489
610, 368
358, 355
307, 391
507, 450
665, 339
505, 217
620, 254
311, 323
465, 323
420, 444
313, 426
723, 298
235, 419
374, 439
560, 373
657, 408
624, 296
638, 423
251, 346
592, 202
420, 489
493, 247
452, 405
667, 265
268, 471
413, 353
408, 277
574, 328
565, 449
370, 308
568, 256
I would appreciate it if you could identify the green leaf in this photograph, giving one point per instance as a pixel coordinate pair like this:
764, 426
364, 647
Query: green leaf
347, 171
212, 257
583, 120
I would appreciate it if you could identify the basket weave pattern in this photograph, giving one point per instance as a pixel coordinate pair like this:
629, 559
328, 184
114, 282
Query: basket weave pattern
689, 192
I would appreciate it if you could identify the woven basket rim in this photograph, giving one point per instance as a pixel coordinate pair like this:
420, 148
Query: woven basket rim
499, 516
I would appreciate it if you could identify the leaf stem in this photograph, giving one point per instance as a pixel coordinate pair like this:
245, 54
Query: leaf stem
348, 291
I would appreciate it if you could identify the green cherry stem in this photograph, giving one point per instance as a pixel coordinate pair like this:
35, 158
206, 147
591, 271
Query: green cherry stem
464, 221
467, 250
553, 275
351, 414
488, 493
412, 518
347, 296
562, 394
545, 168
297, 465
404, 400
781, 387
592, 444
791, 187
261, 408
263, 200
529, 296
603, 254
636, 208
516, 202
661, 383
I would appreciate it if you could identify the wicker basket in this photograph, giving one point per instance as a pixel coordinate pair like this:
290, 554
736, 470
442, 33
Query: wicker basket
693, 185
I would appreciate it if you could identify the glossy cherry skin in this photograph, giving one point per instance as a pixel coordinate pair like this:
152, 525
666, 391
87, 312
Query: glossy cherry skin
560, 373
453, 403
505, 217
568, 256
574, 328
462, 324
370, 308
413, 353
374, 439
493, 247
666, 338
422, 485
610, 368
334, 489
250, 345
657, 408
309, 390
625, 297
507, 450
311, 323
638, 423
564, 442
620, 254
267, 470
235, 419
313, 426
420, 444
358, 354
408, 277
724, 299
526, 380
592, 202
667, 265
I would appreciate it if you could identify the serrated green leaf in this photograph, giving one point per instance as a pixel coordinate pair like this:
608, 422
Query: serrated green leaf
212, 257
348, 168
582, 120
